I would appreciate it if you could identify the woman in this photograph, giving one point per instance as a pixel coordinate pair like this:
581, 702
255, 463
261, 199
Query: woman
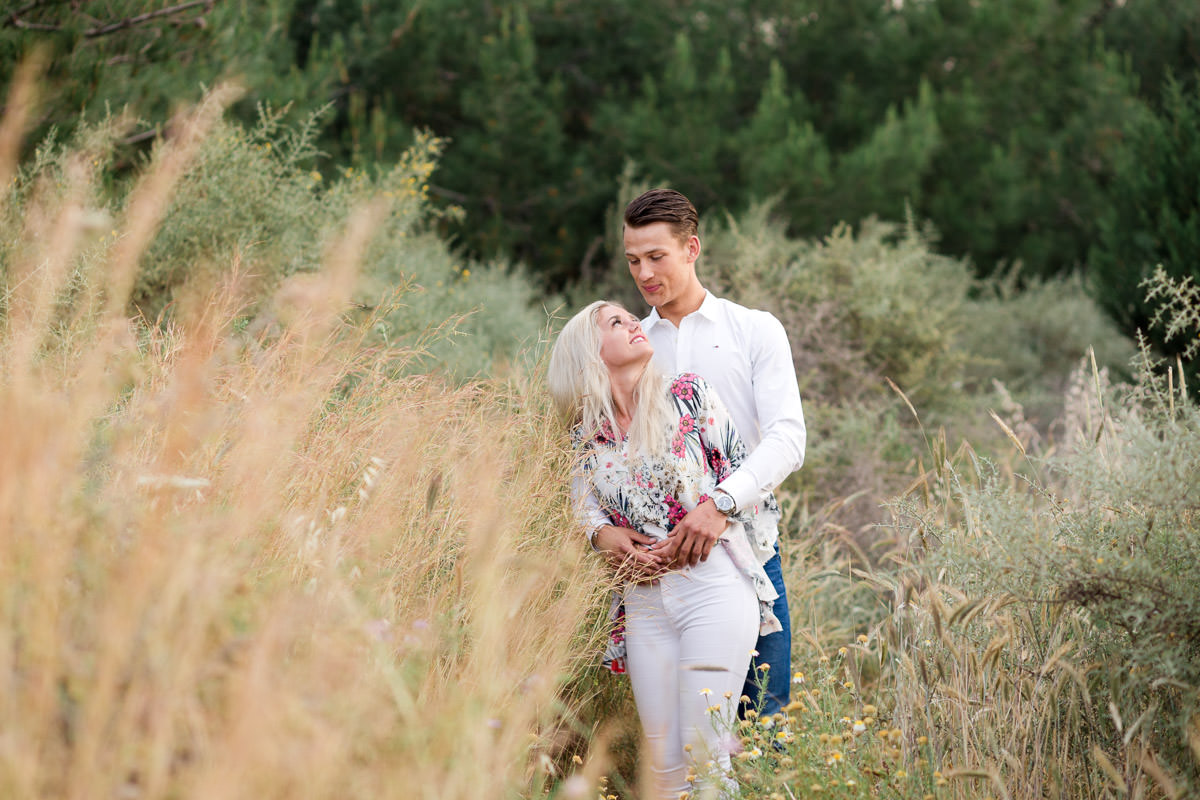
652, 449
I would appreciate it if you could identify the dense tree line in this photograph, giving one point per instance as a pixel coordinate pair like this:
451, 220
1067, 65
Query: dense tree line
1061, 134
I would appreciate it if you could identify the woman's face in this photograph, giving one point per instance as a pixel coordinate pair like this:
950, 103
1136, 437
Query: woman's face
621, 339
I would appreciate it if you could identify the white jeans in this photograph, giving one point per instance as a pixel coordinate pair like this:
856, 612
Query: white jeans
690, 632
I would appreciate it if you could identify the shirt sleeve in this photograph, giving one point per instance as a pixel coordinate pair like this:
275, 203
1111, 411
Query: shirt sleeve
584, 502
587, 506
780, 417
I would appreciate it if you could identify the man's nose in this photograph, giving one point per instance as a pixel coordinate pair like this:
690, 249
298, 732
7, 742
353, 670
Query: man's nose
643, 272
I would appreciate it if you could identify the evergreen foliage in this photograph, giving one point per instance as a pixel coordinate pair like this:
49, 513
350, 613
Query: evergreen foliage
1154, 218
1008, 125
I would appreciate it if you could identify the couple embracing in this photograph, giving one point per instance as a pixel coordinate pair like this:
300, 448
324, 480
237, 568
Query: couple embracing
685, 422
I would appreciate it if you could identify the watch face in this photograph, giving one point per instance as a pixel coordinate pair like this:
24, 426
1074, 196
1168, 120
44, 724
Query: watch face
724, 503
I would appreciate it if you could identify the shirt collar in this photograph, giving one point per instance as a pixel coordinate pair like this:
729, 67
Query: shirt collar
709, 309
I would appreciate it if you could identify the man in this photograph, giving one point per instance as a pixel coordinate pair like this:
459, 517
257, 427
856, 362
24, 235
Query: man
746, 356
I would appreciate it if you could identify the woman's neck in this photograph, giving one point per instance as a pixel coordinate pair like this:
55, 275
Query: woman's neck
623, 383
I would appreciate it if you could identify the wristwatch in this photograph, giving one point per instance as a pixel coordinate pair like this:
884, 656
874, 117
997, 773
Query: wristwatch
724, 502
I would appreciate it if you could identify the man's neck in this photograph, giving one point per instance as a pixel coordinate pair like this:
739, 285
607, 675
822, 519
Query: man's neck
683, 306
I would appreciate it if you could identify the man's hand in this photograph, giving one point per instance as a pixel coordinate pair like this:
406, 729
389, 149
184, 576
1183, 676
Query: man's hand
628, 551
694, 537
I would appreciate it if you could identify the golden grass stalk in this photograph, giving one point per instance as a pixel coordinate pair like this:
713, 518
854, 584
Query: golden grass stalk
270, 566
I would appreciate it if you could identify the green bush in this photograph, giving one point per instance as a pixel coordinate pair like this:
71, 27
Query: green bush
1031, 337
241, 199
1069, 598
251, 200
876, 302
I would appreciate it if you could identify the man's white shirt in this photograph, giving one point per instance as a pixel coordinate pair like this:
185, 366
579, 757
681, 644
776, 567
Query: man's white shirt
745, 355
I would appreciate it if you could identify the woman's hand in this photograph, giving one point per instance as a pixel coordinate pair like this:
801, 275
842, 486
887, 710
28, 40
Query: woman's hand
629, 552
693, 538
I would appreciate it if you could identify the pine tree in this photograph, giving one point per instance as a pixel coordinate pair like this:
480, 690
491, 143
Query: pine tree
1155, 217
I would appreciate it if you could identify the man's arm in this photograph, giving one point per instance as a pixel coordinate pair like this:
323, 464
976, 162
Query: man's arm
693, 538
779, 453
780, 417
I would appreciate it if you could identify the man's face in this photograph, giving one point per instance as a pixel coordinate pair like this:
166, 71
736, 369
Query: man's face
664, 268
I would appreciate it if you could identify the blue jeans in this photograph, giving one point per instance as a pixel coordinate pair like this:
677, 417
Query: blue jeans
774, 649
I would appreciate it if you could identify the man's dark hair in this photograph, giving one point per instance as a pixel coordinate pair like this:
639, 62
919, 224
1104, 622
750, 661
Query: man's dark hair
664, 205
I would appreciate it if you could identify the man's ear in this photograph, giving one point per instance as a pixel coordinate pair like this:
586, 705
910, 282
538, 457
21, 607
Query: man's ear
693, 247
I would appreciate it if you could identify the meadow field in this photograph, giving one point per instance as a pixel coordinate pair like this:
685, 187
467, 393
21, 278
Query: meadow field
283, 507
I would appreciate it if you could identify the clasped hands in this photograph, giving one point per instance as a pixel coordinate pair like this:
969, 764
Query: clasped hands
640, 557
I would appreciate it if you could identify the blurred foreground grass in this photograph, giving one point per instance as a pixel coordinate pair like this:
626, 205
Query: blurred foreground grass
269, 560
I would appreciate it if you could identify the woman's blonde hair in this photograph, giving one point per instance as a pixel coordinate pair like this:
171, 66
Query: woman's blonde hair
582, 392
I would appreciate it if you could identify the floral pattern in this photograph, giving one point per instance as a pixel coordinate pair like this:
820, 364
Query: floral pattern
651, 495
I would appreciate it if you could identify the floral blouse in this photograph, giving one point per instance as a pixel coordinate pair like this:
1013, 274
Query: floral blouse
651, 495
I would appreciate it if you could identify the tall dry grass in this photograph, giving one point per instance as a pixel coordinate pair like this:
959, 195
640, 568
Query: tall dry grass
241, 562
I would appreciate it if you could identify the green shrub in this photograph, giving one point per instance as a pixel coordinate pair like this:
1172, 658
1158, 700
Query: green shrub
1031, 337
244, 198
253, 200
878, 301
1069, 600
